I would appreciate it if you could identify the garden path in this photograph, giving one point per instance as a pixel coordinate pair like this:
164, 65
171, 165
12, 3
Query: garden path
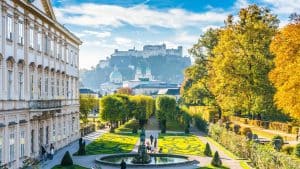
226, 160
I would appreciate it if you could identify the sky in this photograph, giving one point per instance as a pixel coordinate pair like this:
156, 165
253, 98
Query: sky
106, 25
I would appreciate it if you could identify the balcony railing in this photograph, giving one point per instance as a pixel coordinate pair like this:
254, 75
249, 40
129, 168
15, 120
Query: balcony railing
45, 104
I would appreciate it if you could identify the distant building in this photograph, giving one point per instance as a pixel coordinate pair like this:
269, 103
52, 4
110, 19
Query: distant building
115, 76
150, 50
88, 92
171, 92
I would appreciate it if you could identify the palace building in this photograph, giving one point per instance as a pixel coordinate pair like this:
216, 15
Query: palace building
39, 72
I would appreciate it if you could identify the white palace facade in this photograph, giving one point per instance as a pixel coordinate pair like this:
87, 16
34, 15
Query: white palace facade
39, 72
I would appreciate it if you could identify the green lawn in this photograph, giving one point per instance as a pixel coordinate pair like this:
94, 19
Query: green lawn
69, 167
186, 144
110, 143
128, 126
213, 167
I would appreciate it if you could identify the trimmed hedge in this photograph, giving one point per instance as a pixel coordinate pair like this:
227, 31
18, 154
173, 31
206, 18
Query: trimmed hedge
262, 156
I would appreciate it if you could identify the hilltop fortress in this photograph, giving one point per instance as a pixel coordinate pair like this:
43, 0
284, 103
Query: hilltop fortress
150, 50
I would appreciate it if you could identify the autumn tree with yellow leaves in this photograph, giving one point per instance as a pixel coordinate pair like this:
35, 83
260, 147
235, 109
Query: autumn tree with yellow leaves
286, 74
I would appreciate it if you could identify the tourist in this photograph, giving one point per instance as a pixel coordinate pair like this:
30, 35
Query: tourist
123, 164
51, 151
44, 153
151, 139
155, 142
160, 150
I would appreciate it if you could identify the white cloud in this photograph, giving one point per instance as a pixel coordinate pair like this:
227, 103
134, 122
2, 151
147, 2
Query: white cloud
123, 41
89, 14
104, 34
284, 6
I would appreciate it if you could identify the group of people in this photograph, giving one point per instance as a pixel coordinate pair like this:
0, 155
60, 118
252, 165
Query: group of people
45, 155
153, 141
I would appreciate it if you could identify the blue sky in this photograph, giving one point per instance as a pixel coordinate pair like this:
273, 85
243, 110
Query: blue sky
105, 25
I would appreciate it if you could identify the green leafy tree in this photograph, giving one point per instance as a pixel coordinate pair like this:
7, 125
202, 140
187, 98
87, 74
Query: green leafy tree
143, 108
88, 103
111, 109
241, 63
165, 109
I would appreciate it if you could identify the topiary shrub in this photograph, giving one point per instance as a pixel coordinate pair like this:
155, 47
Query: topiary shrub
288, 150
134, 130
246, 130
66, 160
249, 136
277, 142
207, 150
216, 161
227, 125
236, 129
297, 150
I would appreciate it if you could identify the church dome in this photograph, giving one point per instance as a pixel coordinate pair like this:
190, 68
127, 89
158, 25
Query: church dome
115, 76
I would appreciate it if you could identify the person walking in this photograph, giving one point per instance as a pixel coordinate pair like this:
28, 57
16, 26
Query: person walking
44, 155
123, 164
151, 139
51, 151
155, 142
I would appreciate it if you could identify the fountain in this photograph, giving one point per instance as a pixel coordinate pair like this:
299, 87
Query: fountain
143, 159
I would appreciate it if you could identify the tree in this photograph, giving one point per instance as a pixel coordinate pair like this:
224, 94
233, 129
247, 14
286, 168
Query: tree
194, 90
165, 109
144, 107
216, 161
125, 90
88, 103
128, 107
207, 150
285, 76
111, 109
238, 73
66, 160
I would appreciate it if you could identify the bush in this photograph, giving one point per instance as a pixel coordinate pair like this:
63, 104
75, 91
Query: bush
288, 150
277, 142
261, 156
297, 150
207, 150
236, 128
246, 130
66, 160
216, 161
249, 136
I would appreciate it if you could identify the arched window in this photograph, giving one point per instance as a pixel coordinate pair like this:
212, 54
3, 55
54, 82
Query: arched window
31, 78
21, 79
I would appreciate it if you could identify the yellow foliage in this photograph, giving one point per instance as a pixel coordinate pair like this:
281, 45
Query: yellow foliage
286, 74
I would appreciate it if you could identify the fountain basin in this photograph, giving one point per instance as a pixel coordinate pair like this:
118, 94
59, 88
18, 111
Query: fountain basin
156, 160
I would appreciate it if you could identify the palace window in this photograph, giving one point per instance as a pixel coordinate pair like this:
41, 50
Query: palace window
67, 55
22, 144
1, 144
10, 84
11, 147
63, 87
32, 141
20, 85
21, 33
57, 87
31, 86
31, 38
39, 41
46, 86
9, 33
52, 87
40, 87
51, 47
